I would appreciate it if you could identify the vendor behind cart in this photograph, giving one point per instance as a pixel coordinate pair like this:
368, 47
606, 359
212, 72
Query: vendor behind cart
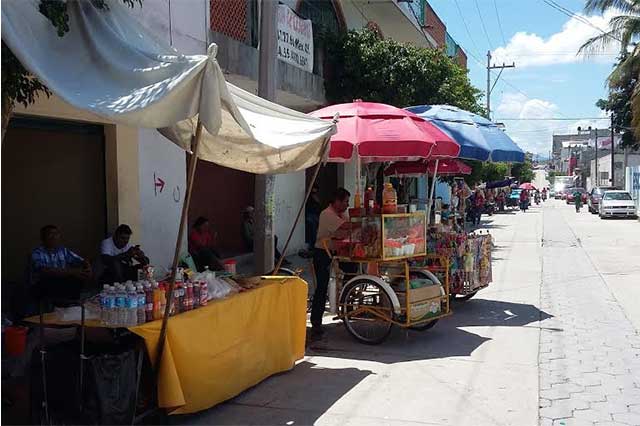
333, 224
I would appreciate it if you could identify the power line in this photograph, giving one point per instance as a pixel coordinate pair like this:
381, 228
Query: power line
484, 28
578, 17
464, 21
499, 22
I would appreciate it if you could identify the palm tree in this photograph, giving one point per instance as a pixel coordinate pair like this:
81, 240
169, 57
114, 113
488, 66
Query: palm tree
624, 28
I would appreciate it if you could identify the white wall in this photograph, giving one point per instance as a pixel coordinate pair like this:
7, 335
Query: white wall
160, 210
289, 195
183, 24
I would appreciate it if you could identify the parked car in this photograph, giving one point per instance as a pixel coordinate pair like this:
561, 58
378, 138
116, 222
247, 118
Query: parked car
593, 201
617, 203
570, 192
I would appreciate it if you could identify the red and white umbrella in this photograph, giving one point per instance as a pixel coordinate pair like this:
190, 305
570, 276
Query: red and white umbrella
380, 132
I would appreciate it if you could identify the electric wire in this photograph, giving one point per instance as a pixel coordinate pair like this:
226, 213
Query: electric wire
495, 6
484, 28
466, 26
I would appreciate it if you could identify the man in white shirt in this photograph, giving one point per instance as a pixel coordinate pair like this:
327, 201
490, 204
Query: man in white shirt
118, 254
333, 224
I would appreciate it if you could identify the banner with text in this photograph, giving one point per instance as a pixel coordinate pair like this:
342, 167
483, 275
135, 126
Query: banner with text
295, 39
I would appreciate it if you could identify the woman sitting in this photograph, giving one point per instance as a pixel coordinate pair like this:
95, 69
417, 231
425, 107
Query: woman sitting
202, 245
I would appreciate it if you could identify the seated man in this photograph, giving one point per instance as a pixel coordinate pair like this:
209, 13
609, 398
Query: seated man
56, 271
118, 257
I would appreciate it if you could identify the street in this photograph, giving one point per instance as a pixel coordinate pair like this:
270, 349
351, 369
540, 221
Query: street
555, 337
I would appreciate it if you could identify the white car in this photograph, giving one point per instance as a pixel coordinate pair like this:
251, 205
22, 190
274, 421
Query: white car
617, 204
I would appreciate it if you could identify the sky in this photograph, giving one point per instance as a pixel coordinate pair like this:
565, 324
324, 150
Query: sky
550, 80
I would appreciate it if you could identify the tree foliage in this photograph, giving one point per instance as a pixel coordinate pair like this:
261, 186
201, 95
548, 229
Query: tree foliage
619, 102
523, 172
365, 66
18, 84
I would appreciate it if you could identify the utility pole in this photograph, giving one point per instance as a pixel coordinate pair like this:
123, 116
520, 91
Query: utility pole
597, 175
489, 86
613, 153
264, 196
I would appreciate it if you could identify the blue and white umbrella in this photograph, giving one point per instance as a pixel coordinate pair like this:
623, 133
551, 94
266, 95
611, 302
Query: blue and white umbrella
479, 138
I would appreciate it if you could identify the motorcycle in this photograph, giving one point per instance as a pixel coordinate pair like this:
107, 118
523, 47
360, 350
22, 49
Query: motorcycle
489, 208
544, 196
537, 199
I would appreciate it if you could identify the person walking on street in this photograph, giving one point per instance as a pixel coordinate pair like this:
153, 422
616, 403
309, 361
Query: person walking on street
524, 200
577, 199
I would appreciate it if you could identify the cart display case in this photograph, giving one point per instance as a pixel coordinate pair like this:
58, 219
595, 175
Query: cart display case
384, 237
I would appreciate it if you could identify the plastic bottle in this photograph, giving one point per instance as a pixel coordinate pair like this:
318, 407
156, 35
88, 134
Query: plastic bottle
389, 199
204, 293
148, 295
369, 200
156, 302
142, 305
132, 306
188, 297
111, 311
196, 294
120, 310
104, 304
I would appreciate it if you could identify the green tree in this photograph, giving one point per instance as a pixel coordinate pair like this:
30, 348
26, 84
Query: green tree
523, 171
365, 66
619, 102
624, 29
18, 84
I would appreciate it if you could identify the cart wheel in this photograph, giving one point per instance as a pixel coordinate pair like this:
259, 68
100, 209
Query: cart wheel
366, 326
424, 327
465, 297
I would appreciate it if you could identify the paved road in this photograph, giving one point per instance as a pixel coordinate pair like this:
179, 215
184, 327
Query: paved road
553, 338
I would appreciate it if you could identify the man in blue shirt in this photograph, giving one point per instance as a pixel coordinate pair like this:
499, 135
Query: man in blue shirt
56, 271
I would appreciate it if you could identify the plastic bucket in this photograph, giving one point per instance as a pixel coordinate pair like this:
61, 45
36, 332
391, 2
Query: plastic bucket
15, 340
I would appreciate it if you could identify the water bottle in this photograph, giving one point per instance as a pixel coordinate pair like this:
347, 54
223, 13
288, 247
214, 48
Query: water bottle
104, 305
109, 306
120, 308
142, 304
132, 306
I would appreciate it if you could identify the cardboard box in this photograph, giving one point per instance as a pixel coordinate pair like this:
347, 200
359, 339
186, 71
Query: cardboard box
425, 302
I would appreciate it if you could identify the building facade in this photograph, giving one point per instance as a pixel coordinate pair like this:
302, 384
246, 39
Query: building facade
104, 174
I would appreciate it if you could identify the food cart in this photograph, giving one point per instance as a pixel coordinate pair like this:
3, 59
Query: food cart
383, 289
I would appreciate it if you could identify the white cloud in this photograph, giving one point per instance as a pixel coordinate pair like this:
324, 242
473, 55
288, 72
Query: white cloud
529, 50
530, 132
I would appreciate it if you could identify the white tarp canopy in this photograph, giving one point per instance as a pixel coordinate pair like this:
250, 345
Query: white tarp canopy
109, 64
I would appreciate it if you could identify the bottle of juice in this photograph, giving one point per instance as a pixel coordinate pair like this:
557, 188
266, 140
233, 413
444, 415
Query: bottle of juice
389, 199
369, 200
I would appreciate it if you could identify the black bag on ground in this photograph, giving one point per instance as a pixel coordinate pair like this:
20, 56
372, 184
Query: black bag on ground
110, 383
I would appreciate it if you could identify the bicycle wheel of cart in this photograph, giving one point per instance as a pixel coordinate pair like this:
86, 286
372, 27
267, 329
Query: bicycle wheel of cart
367, 311
465, 297
424, 327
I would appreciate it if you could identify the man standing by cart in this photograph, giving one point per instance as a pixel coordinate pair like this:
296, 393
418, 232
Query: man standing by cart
333, 224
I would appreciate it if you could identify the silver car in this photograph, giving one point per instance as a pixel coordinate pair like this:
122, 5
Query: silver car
617, 204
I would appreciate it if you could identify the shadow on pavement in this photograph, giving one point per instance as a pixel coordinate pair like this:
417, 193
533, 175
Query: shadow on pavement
299, 396
445, 340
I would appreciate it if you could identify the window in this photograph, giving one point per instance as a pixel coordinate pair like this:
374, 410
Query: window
619, 196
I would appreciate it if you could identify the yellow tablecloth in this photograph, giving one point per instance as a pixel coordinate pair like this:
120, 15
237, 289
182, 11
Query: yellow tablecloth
215, 352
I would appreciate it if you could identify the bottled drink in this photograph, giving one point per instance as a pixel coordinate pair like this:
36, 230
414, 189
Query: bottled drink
148, 295
110, 302
188, 298
120, 311
196, 294
204, 293
369, 200
389, 199
104, 304
132, 306
142, 305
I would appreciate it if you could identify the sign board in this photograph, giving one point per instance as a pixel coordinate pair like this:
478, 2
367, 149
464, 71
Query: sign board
295, 39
